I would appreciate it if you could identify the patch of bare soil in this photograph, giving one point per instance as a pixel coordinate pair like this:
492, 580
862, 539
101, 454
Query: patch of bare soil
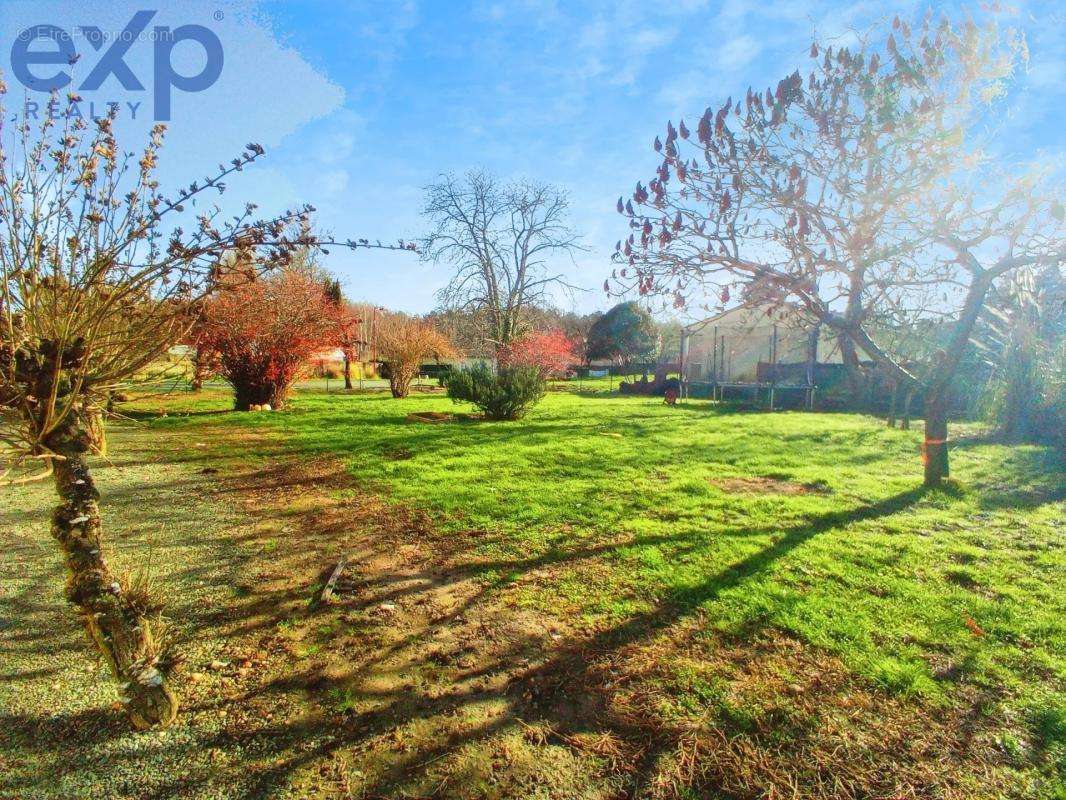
684, 714
430, 416
768, 485
440, 416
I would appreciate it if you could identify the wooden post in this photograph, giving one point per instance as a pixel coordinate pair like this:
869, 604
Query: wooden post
681, 363
812, 360
713, 372
773, 365
331, 584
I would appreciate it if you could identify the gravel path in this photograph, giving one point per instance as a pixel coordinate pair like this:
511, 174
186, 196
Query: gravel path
64, 736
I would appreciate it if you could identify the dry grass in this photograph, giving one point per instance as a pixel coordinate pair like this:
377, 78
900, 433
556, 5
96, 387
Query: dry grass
770, 717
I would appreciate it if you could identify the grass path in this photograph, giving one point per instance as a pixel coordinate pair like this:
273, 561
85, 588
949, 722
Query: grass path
612, 597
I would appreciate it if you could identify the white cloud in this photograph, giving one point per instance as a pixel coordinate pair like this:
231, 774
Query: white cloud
738, 52
333, 182
648, 40
691, 91
1047, 75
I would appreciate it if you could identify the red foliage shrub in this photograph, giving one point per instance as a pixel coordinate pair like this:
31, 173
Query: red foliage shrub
265, 331
551, 352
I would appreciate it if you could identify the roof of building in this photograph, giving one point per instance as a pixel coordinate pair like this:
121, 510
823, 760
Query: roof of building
750, 315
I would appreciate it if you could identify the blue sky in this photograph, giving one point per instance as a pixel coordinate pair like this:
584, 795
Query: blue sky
361, 104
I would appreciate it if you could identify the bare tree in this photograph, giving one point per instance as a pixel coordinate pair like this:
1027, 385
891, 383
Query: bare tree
404, 343
862, 192
93, 290
466, 330
498, 239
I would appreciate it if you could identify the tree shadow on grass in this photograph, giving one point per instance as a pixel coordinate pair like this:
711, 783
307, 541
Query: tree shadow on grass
1030, 478
141, 415
562, 691
555, 684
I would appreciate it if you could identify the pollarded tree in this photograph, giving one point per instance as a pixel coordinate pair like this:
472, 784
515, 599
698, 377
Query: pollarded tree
498, 239
93, 289
91, 295
626, 333
405, 343
861, 192
264, 331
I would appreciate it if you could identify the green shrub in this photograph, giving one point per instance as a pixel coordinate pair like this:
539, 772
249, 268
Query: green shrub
506, 394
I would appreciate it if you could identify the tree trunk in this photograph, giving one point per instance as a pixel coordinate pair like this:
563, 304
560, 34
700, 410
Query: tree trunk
347, 374
892, 399
399, 385
944, 368
905, 422
199, 370
935, 446
119, 626
852, 371
245, 395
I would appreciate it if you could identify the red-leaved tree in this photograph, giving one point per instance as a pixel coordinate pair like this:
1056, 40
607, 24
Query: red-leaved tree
265, 331
549, 351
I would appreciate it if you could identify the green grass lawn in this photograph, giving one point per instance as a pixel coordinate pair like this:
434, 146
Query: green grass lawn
621, 519
863, 562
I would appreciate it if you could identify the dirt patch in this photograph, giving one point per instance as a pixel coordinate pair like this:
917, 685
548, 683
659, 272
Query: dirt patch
437, 417
768, 485
398, 453
430, 416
